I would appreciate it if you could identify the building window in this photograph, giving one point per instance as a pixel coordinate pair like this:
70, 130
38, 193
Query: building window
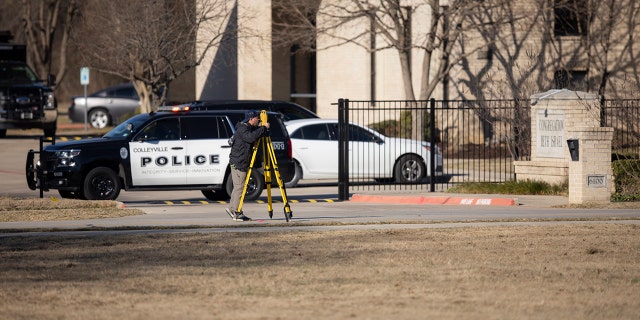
570, 79
571, 18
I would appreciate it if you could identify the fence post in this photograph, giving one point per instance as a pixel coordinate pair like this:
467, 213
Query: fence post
432, 145
343, 149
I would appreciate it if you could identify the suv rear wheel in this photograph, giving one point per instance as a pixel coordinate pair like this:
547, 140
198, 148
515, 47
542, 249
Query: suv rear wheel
254, 188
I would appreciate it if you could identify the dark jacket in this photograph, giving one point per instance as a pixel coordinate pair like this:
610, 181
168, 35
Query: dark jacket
242, 148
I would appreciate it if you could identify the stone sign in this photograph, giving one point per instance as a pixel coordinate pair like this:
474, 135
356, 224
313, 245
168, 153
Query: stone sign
596, 181
550, 134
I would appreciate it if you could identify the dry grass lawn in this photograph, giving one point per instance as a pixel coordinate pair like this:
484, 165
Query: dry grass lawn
50, 209
545, 272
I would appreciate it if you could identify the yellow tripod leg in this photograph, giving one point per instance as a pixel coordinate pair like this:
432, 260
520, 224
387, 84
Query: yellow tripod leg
267, 173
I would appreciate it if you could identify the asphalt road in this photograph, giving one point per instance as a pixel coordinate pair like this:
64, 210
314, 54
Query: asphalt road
312, 204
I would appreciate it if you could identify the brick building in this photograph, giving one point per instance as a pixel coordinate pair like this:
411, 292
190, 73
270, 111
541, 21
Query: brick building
508, 49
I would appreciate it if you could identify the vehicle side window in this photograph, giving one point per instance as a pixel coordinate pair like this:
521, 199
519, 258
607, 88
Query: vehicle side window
296, 134
163, 129
359, 134
127, 92
111, 93
102, 93
194, 128
277, 130
355, 133
290, 113
17, 73
333, 131
313, 132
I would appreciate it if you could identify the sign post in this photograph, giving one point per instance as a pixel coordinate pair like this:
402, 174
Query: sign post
84, 80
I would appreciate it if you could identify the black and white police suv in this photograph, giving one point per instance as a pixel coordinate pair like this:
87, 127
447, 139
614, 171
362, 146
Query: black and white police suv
172, 149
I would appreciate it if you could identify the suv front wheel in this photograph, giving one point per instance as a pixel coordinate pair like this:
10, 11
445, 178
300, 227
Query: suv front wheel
101, 183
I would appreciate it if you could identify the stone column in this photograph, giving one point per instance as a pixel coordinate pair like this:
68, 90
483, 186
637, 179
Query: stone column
591, 176
254, 50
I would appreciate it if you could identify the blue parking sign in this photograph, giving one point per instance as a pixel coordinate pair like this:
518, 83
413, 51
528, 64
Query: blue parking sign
84, 76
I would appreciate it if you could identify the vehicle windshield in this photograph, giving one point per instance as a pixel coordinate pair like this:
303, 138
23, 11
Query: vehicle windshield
17, 74
127, 128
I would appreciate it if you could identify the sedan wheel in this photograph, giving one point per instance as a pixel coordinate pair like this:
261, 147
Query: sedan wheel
296, 176
409, 169
99, 118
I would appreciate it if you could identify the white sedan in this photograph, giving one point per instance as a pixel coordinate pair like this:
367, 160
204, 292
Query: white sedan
371, 154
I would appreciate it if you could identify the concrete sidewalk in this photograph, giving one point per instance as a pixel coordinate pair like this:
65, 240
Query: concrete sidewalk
397, 195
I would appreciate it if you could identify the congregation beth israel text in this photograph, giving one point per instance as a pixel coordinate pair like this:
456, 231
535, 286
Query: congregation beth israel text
554, 129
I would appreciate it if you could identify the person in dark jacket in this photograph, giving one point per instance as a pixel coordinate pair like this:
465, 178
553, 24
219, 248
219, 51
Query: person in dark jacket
246, 135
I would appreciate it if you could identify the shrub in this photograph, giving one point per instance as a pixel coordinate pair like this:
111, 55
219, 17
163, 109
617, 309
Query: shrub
402, 128
626, 174
530, 187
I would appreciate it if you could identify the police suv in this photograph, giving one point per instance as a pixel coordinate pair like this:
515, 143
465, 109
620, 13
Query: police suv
172, 149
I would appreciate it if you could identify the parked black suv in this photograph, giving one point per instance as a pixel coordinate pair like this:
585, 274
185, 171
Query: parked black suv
26, 101
289, 110
165, 150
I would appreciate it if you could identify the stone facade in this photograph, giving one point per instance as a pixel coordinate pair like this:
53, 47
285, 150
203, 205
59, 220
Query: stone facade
503, 67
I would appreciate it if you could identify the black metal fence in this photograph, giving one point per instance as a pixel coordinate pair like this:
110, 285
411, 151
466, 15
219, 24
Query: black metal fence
624, 117
478, 140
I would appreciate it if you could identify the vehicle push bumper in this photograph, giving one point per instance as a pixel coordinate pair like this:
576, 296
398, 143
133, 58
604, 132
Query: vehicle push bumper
36, 168
31, 170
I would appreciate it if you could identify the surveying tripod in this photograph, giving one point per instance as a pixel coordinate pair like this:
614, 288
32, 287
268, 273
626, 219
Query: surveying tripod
269, 161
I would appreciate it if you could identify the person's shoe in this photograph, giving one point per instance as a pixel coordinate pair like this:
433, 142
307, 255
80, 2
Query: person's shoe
241, 217
231, 213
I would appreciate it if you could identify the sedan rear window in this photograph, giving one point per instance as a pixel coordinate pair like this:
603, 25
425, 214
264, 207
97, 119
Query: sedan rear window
312, 132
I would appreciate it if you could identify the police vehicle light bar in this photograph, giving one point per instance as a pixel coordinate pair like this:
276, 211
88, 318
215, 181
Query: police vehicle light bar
178, 108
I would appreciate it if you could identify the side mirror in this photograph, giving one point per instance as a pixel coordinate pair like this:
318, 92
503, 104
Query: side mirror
142, 138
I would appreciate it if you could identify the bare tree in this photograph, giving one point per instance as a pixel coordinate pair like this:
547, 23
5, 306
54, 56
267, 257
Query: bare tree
151, 43
512, 67
392, 22
42, 22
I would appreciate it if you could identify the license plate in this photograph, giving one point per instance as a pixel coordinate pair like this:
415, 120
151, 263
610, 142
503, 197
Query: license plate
278, 145
26, 115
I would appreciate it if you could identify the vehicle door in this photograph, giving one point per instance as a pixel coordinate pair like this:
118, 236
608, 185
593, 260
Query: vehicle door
120, 100
317, 151
158, 155
366, 152
207, 148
